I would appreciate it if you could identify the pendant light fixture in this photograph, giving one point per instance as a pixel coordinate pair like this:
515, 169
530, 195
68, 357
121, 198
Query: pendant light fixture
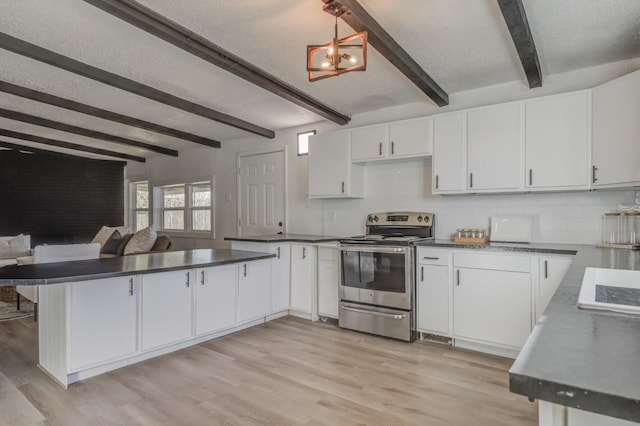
340, 55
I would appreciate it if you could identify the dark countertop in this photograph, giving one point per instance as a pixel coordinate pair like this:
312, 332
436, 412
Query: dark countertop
505, 247
583, 358
82, 270
285, 238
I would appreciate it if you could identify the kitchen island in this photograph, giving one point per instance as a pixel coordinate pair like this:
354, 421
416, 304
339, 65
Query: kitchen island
99, 315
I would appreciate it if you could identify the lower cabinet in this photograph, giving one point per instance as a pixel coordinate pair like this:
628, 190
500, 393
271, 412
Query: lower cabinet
216, 298
103, 320
484, 301
166, 307
434, 292
280, 277
328, 281
303, 281
492, 306
253, 289
551, 271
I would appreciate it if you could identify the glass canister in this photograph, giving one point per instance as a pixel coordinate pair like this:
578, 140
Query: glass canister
632, 220
611, 228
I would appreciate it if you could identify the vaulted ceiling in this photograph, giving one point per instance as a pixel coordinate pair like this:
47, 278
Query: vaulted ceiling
163, 98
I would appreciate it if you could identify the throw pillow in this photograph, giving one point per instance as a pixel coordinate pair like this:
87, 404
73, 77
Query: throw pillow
111, 245
14, 248
141, 241
123, 243
103, 235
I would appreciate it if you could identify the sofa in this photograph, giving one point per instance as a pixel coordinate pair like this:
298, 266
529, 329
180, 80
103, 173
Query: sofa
14, 247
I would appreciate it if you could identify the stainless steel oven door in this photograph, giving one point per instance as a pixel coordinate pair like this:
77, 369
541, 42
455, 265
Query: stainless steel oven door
376, 275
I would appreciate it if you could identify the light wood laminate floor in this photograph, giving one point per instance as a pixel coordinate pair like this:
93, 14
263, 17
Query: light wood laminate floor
288, 371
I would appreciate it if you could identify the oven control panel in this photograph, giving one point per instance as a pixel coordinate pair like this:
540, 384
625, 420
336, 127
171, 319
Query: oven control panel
401, 218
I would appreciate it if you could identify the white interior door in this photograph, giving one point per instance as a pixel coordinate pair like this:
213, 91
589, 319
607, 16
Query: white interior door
261, 194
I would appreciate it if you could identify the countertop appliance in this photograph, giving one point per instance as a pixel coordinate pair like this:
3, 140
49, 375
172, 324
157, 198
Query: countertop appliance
377, 283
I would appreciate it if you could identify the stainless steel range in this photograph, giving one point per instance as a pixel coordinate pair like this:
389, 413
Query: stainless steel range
377, 284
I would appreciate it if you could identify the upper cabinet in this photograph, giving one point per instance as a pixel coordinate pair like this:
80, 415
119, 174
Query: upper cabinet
331, 173
557, 142
449, 142
494, 146
402, 139
616, 132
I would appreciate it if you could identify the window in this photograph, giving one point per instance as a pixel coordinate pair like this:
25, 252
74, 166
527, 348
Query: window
187, 207
140, 203
303, 142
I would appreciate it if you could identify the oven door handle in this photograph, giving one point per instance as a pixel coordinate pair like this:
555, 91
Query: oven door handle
374, 249
380, 314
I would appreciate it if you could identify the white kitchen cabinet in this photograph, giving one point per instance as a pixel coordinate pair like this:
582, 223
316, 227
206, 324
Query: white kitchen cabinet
551, 271
370, 143
280, 277
400, 139
557, 142
328, 281
492, 299
303, 281
331, 173
615, 147
103, 321
449, 153
215, 298
434, 291
411, 138
494, 147
254, 292
167, 308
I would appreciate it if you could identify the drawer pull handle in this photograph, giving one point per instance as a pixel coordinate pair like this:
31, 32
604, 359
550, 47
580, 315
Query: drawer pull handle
130, 286
458, 277
188, 279
421, 273
546, 269
244, 272
380, 150
202, 277
278, 252
431, 258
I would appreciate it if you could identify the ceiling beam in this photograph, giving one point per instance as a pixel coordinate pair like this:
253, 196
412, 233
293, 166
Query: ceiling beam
360, 20
38, 53
181, 37
47, 98
516, 19
67, 145
44, 122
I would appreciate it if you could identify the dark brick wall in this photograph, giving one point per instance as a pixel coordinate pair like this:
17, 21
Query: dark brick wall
59, 199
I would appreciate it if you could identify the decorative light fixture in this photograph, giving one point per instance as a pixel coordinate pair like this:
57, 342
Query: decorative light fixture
340, 55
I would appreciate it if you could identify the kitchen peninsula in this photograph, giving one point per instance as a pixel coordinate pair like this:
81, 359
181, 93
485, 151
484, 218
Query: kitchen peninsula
103, 314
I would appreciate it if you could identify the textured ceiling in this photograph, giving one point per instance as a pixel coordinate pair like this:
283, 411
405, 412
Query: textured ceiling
462, 45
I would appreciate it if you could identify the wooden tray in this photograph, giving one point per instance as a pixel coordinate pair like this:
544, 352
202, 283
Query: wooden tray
483, 240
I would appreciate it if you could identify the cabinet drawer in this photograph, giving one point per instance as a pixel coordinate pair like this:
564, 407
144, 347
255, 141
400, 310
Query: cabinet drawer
499, 262
433, 257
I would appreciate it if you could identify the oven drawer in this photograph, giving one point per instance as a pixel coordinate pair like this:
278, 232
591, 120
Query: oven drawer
375, 320
429, 256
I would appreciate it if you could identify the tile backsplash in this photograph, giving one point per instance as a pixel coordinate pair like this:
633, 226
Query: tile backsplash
563, 217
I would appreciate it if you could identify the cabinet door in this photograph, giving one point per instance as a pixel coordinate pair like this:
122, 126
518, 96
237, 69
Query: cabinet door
280, 278
103, 320
166, 308
433, 299
551, 271
493, 148
216, 298
369, 143
330, 168
411, 138
328, 280
492, 306
557, 141
302, 278
616, 108
254, 288
449, 138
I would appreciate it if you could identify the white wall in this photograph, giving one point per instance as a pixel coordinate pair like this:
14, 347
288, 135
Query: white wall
560, 217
